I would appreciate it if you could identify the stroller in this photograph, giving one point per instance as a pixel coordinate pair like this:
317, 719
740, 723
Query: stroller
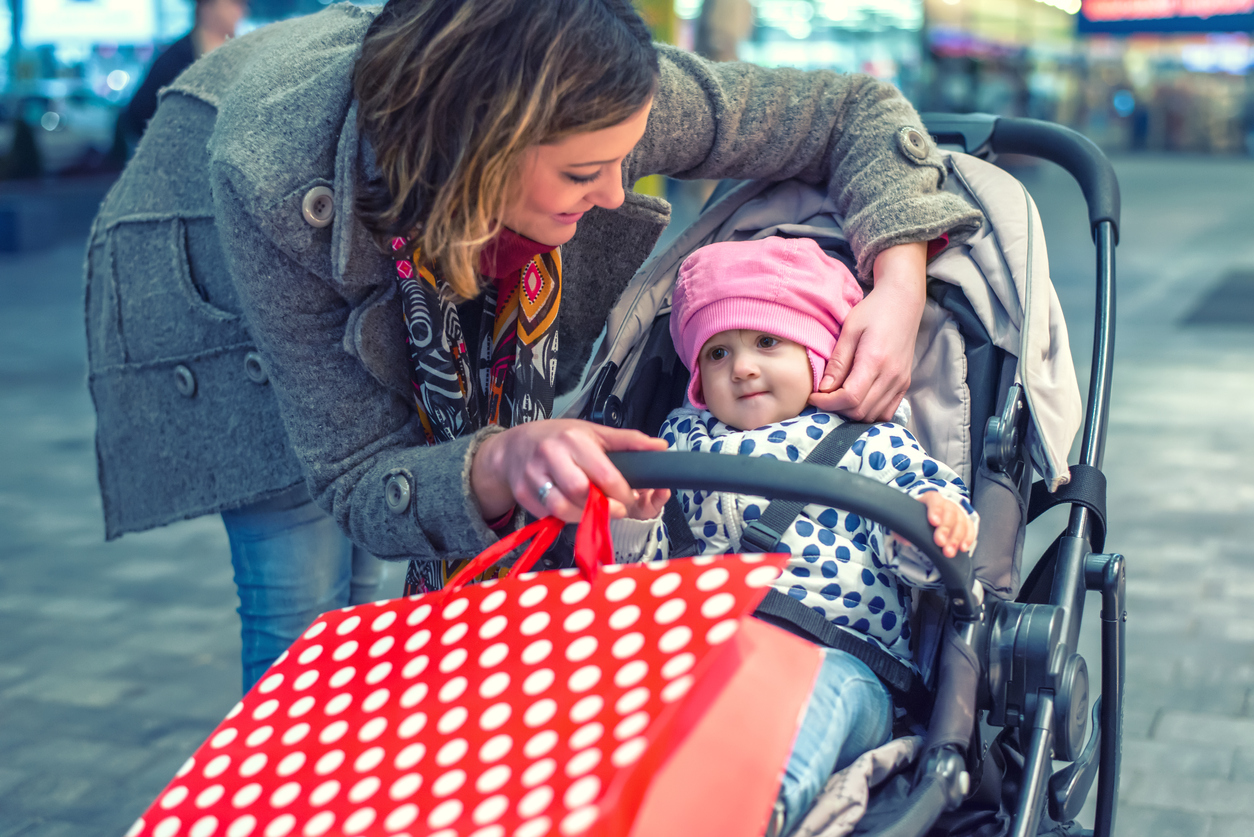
995, 650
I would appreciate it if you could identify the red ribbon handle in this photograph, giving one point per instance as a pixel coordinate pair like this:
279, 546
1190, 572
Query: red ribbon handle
592, 544
544, 531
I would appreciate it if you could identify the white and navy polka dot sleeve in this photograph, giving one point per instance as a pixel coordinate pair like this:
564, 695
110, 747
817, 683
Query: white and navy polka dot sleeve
889, 453
639, 540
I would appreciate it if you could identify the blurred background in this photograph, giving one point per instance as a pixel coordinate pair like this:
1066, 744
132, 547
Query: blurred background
1178, 81
1174, 83
116, 659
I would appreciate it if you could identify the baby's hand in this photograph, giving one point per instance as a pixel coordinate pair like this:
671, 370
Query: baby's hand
649, 503
954, 528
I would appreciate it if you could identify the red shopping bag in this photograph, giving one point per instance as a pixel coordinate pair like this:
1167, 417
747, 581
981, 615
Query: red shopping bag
608, 700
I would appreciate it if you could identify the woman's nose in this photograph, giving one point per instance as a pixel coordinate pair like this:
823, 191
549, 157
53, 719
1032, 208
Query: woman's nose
610, 195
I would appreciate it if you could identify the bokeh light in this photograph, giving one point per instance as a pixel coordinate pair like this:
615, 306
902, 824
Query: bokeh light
118, 79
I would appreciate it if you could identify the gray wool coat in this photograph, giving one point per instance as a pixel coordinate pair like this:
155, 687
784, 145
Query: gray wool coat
244, 336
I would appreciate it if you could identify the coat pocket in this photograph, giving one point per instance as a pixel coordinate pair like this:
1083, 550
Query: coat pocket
178, 439
172, 290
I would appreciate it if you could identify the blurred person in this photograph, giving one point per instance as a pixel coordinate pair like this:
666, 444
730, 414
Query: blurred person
334, 275
1177, 112
1140, 121
214, 23
721, 27
1247, 117
24, 160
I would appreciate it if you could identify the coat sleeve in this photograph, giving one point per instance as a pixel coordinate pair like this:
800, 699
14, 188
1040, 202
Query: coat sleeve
351, 433
853, 132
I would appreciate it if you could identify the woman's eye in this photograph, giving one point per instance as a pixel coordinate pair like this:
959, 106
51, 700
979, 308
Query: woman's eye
581, 178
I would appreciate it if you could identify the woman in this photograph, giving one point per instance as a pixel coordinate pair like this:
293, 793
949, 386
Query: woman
214, 23
419, 220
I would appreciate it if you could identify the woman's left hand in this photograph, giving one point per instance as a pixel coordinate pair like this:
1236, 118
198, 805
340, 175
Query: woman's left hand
869, 371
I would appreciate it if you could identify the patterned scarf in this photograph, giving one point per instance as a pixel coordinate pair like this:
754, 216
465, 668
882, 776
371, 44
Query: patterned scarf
517, 351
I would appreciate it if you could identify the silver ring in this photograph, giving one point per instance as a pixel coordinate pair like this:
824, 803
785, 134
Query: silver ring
543, 491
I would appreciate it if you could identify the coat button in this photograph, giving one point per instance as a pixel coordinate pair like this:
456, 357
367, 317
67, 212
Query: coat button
396, 491
184, 381
913, 143
318, 206
254, 369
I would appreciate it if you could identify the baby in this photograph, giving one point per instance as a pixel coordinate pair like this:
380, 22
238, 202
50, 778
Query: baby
755, 322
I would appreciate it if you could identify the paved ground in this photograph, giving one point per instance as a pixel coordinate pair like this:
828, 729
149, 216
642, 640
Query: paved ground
116, 659
1181, 495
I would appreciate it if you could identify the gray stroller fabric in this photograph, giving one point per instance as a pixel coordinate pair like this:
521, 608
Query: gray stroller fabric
1003, 270
844, 799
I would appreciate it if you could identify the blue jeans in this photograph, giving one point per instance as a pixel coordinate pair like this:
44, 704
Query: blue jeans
291, 563
849, 713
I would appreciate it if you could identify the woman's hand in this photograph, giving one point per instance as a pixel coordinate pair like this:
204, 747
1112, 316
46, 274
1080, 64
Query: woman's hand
511, 467
869, 371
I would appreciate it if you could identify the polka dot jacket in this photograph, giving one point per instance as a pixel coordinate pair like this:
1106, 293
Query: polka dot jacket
850, 570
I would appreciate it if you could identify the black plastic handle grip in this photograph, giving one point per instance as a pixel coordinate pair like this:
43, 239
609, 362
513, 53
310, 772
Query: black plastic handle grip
807, 483
1070, 149
978, 133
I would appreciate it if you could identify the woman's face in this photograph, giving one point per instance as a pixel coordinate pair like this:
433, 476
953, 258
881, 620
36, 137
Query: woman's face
562, 180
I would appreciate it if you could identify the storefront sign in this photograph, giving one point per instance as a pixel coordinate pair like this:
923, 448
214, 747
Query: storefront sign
1129, 16
88, 21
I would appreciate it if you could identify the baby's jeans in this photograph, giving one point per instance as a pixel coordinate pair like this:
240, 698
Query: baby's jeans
849, 713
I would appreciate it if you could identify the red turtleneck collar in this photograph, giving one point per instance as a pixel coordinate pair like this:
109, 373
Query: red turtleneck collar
508, 253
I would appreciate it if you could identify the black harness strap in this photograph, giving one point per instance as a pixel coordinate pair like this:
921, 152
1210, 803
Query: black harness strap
683, 544
907, 687
778, 607
1087, 488
764, 533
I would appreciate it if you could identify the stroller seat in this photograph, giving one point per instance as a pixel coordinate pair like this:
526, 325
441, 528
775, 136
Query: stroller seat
994, 395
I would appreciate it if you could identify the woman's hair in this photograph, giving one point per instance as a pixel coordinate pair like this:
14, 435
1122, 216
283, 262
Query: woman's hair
451, 93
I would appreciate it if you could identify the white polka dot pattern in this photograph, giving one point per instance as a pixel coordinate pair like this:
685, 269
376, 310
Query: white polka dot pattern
501, 710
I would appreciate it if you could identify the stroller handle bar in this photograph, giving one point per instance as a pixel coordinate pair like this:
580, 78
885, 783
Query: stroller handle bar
979, 132
807, 483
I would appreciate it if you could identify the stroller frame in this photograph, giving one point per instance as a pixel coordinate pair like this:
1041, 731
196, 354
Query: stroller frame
1077, 569
1028, 674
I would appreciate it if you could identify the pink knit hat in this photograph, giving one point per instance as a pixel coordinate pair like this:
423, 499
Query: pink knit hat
787, 287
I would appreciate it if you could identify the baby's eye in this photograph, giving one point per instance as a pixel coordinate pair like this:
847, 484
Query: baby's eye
717, 353
766, 341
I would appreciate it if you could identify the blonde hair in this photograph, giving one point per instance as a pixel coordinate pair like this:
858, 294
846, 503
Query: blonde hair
451, 93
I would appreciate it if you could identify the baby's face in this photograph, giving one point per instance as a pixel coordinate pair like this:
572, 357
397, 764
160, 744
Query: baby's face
751, 378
